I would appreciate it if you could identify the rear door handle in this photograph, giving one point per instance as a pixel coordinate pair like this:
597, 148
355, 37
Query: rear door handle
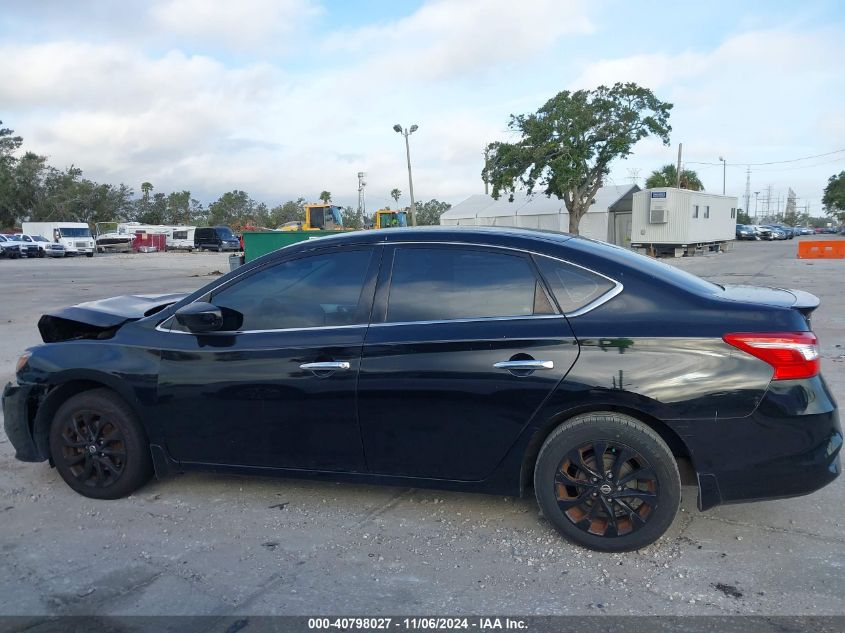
525, 364
326, 366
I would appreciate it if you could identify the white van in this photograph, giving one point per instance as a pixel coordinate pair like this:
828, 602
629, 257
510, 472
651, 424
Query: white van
74, 236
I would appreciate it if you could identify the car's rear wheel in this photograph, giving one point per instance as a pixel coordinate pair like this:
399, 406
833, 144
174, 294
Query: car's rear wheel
607, 482
98, 445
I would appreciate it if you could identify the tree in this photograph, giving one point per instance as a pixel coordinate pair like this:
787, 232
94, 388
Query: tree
667, 176
290, 211
428, 213
833, 198
396, 194
742, 217
352, 218
326, 196
234, 208
566, 147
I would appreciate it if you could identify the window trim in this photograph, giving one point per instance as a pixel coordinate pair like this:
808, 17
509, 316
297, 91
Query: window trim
381, 280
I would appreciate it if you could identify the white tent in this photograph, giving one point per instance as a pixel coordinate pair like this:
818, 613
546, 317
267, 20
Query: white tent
607, 219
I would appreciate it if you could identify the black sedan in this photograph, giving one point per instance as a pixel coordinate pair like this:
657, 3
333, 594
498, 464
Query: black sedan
481, 360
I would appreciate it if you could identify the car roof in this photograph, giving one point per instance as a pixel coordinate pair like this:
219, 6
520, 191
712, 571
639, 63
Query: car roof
504, 236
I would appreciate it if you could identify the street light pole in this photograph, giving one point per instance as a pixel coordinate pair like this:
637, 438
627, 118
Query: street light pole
724, 170
406, 133
756, 193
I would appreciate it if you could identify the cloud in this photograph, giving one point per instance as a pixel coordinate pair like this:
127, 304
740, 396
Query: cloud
757, 96
240, 23
445, 38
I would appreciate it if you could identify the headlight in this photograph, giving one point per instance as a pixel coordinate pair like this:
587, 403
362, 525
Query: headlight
22, 361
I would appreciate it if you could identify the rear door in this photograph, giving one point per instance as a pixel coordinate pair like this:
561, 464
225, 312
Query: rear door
464, 347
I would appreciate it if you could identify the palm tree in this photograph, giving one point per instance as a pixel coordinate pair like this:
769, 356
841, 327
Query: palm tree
326, 196
667, 176
396, 194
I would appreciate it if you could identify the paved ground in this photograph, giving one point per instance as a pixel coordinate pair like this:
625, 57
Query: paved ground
216, 544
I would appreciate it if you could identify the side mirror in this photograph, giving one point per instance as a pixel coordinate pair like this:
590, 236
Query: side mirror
200, 317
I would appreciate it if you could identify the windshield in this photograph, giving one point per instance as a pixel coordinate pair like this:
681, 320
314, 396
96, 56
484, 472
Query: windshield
224, 233
75, 232
16, 238
39, 238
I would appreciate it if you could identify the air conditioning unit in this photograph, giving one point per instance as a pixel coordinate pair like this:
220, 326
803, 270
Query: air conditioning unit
657, 216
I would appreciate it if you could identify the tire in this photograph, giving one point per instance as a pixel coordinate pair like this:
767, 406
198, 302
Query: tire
91, 254
99, 420
219, 249
575, 502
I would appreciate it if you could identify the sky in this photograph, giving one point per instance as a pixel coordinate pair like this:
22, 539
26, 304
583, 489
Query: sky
286, 98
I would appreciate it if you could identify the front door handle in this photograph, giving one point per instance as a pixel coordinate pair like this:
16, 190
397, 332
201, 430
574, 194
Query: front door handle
525, 365
326, 366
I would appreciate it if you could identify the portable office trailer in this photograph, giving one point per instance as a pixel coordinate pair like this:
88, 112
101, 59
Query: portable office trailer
666, 218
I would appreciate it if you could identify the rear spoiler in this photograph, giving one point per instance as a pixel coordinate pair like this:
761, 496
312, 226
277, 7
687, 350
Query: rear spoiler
805, 302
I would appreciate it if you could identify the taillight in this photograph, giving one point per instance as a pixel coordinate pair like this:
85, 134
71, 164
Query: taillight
792, 354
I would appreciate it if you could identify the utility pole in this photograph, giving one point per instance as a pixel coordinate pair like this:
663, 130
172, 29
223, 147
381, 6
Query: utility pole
678, 175
406, 133
756, 193
362, 207
724, 172
486, 167
747, 187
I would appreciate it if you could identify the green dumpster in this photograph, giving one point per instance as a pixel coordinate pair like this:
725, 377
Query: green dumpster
258, 243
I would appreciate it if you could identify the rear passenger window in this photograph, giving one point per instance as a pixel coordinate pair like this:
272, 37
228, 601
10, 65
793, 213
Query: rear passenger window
438, 284
573, 287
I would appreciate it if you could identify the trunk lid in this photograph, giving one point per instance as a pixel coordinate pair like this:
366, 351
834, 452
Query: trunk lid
799, 300
101, 319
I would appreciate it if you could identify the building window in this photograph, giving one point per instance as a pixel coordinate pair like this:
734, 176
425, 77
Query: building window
707, 211
733, 212
695, 210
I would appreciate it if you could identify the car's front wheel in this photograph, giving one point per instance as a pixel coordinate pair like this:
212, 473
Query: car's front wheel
607, 482
98, 445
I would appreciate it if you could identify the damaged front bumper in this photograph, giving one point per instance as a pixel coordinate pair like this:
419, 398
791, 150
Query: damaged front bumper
19, 402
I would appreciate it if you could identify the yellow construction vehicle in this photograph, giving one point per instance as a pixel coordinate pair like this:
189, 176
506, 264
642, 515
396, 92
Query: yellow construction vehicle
388, 219
318, 217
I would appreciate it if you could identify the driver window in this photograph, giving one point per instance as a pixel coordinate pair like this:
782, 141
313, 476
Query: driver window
317, 291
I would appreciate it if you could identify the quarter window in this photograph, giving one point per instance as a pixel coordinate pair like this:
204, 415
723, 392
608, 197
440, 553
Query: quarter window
438, 284
573, 287
321, 290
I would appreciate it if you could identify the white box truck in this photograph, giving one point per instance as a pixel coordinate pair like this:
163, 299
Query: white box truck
74, 236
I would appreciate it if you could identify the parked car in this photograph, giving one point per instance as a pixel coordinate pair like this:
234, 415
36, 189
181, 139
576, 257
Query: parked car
471, 359
777, 233
763, 232
788, 231
744, 232
217, 238
28, 247
54, 249
9, 248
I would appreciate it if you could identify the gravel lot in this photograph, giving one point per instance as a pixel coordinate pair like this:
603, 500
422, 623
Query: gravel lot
212, 544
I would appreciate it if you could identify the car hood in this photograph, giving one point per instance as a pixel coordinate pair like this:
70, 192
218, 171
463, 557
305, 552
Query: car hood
802, 301
101, 319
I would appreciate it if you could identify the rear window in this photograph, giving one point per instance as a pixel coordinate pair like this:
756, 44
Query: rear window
573, 287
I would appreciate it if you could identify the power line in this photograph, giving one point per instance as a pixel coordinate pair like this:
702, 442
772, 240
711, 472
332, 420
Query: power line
740, 163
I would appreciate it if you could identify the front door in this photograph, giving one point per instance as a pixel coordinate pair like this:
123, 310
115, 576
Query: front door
280, 390
464, 347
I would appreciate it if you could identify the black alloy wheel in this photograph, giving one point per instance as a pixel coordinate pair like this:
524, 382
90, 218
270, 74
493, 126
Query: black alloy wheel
98, 445
607, 482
